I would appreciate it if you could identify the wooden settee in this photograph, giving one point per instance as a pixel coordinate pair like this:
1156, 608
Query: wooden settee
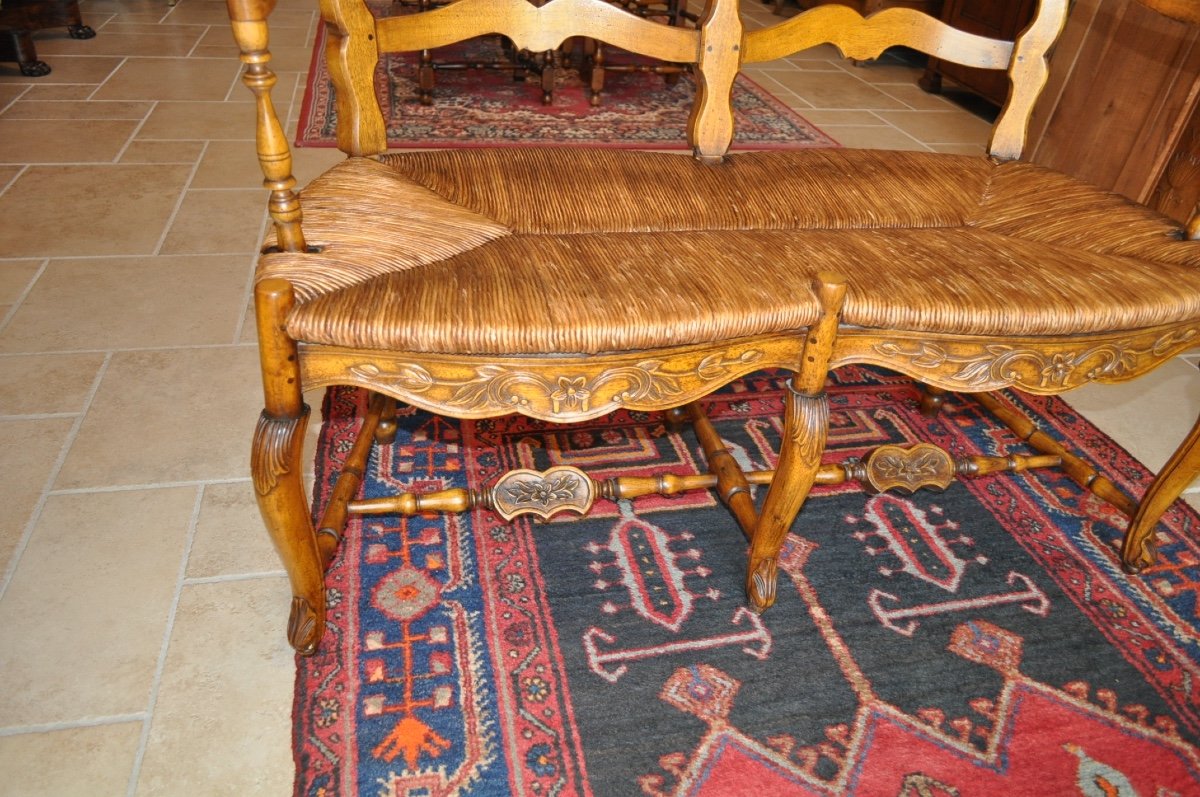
648, 280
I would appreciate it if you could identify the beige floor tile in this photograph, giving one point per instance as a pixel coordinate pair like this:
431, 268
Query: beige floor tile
51, 141
28, 452
217, 221
205, 12
1148, 416
94, 760
114, 303
63, 208
15, 276
42, 109
230, 538
219, 36
9, 93
219, 121
311, 162
961, 149
872, 137
7, 175
222, 722
940, 127
72, 594
171, 79
822, 117
836, 90
178, 43
229, 164
163, 152
45, 383
283, 59
65, 92
168, 416
885, 70
1193, 499
67, 69
120, 25
917, 98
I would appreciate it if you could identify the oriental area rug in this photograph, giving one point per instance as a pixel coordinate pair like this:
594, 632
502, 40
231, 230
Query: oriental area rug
978, 641
484, 107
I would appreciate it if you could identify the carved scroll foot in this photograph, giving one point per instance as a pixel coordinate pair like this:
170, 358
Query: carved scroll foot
761, 583
305, 627
1137, 548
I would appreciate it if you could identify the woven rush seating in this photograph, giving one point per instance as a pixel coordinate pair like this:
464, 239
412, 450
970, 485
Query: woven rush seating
648, 280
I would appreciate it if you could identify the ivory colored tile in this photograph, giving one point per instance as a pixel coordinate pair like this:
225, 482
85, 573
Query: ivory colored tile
15, 276
872, 137
219, 36
940, 127
230, 537
177, 42
198, 12
170, 79
917, 98
961, 149
218, 221
32, 384
42, 109
89, 760
308, 163
220, 121
113, 303
66, 92
836, 90
9, 93
7, 175
229, 164
222, 722
28, 451
72, 595
168, 416
53, 141
827, 117
884, 70
1150, 415
89, 210
66, 69
140, 151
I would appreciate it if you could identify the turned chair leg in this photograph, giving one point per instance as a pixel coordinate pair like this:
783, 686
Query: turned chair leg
806, 425
1137, 548
275, 465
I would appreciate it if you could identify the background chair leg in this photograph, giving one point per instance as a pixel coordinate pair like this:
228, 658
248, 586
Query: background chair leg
1137, 548
806, 425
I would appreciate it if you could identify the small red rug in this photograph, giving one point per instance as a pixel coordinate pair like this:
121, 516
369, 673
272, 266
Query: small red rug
488, 108
978, 641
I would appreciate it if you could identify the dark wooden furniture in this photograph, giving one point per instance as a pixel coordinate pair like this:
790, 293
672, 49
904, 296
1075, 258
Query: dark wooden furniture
430, 278
997, 19
1137, 130
867, 7
20, 18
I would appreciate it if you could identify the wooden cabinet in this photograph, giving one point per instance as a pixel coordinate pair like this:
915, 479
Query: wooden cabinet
997, 19
1120, 107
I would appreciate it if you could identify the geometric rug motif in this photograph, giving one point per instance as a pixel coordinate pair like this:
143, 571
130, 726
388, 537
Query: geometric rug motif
480, 107
981, 640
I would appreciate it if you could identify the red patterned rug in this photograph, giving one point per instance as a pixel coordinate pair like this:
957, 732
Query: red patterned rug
487, 108
979, 641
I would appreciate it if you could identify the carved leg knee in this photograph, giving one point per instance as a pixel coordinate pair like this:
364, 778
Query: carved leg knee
806, 424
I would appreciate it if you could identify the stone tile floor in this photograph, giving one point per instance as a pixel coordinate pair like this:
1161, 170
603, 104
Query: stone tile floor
141, 607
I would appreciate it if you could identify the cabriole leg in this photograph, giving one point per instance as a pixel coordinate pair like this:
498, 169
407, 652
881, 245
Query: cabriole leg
1137, 549
806, 425
276, 468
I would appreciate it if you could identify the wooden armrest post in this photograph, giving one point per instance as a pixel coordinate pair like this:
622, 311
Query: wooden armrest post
710, 127
1028, 72
249, 21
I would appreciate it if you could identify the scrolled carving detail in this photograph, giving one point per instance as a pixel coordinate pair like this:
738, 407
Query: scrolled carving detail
544, 494
999, 364
923, 465
303, 627
571, 390
762, 583
271, 450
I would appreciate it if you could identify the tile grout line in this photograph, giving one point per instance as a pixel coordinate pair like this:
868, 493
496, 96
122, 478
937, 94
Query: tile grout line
36, 514
161, 664
66, 725
23, 295
133, 134
230, 578
126, 488
20, 171
187, 186
131, 349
